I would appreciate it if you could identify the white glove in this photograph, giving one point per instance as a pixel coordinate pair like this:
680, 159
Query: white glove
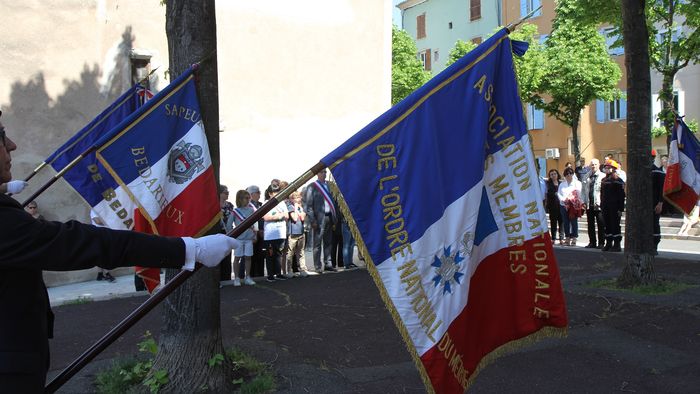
207, 250
16, 187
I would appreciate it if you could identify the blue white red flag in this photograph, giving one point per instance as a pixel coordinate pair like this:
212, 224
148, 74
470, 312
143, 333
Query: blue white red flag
89, 177
442, 194
682, 184
160, 160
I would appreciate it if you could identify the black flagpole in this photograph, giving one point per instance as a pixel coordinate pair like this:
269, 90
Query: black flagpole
169, 287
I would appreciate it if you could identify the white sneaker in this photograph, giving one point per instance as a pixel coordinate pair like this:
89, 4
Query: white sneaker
236, 282
249, 281
303, 274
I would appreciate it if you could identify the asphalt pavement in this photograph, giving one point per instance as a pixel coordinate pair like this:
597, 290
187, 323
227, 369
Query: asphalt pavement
332, 334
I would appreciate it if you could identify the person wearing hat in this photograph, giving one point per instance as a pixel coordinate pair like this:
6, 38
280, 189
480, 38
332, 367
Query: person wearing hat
658, 177
612, 203
29, 246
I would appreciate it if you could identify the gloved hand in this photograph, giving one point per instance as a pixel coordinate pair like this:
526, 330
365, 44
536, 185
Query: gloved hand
207, 250
16, 187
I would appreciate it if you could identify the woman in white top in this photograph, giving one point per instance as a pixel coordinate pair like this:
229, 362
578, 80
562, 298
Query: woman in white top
569, 189
275, 234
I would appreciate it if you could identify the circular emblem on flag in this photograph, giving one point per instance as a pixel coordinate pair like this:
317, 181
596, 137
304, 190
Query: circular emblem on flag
184, 162
447, 272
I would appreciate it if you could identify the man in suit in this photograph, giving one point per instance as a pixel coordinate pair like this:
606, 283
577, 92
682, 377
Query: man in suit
590, 194
28, 246
322, 217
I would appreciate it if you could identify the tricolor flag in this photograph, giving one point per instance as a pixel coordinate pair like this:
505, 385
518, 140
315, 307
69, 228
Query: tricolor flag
160, 160
88, 177
682, 184
442, 195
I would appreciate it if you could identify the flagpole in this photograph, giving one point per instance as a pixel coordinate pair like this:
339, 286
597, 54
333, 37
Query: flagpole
171, 286
47, 162
59, 175
512, 26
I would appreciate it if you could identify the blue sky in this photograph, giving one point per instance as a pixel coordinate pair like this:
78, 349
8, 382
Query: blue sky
396, 16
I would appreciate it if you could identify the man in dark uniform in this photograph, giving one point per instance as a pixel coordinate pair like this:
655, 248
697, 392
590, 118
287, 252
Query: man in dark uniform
29, 246
657, 188
612, 203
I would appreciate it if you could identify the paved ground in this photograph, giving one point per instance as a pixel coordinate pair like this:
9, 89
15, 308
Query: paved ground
331, 333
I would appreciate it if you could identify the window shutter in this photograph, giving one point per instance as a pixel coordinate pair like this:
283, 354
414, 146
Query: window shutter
476, 40
538, 118
474, 10
623, 108
420, 26
428, 65
530, 117
600, 111
523, 8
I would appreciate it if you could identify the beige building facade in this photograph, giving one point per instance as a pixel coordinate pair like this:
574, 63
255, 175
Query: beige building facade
296, 79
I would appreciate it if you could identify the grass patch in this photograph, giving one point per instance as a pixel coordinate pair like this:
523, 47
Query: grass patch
253, 375
661, 287
111, 381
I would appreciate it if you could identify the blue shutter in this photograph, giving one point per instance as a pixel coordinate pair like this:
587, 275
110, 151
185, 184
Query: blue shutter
623, 108
530, 118
523, 7
538, 119
535, 5
600, 111
543, 38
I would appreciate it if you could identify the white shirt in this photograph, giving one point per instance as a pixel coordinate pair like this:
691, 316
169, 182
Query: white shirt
565, 189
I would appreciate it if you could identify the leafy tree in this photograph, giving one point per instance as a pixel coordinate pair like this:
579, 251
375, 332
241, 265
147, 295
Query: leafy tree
576, 71
674, 40
460, 49
407, 72
529, 68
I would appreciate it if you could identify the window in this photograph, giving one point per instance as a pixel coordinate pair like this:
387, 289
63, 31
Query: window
425, 59
420, 26
611, 37
535, 118
474, 10
675, 35
656, 105
449, 25
611, 110
476, 40
526, 7
436, 55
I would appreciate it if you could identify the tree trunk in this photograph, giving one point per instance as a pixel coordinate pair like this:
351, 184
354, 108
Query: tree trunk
667, 116
191, 333
575, 141
639, 243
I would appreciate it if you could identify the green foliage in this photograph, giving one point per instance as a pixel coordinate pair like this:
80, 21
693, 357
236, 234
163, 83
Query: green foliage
659, 131
674, 38
216, 360
254, 376
460, 49
156, 380
407, 73
148, 345
114, 379
662, 287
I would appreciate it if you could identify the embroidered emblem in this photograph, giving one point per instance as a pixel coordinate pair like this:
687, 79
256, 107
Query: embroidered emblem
446, 270
467, 244
184, 162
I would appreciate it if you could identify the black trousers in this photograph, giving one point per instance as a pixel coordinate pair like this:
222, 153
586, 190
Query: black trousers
612, 224
657, 229
595, 216
275, 248
556, 222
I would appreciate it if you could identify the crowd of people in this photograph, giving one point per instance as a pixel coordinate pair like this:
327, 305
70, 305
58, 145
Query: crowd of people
599, 193
307, 224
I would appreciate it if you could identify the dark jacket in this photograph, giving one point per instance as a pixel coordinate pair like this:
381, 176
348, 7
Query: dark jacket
657, 184
315, 207
29, 246
612, 194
